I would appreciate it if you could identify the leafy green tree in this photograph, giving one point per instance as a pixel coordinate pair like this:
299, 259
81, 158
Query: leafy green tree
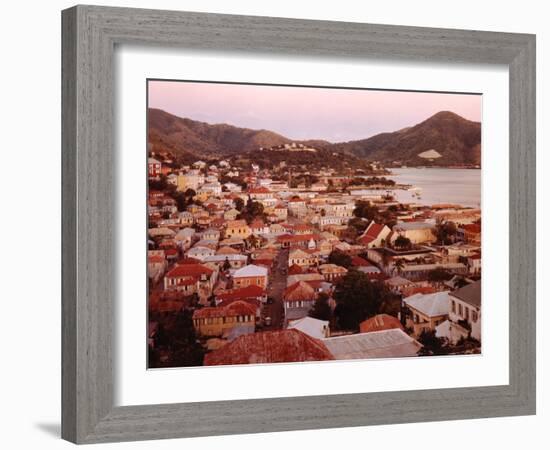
339, 258
357, 298
239, 204
185, 348
432, 345
365, 210
190, 193
160, 184
181, 200
321, 309
445, 232
402, 242
359, 224
252, 210
398, 265
226, 264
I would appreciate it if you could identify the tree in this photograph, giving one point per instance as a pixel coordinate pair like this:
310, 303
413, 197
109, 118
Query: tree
321, 309
252, 210
178, 341
339, 258
359, 224
253, 241
255, 209
365, 210
226, 264
432, 345
357, 298
402, 242
158, 185
239, 204
445, 231
185, 348
181, 200
190, 193
398, 265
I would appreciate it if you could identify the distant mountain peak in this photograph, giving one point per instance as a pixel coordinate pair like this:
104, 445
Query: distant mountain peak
457, 141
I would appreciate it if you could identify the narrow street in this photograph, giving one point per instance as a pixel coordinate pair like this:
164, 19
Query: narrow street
275, 291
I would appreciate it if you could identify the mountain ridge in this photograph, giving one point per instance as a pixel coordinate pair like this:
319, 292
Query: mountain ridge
455, 138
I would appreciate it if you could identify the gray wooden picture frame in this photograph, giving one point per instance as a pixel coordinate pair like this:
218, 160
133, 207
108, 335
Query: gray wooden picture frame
90, 34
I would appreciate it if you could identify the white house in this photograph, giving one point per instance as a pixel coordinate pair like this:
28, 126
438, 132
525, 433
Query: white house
465, 308
315, 328
200, 252
426, 311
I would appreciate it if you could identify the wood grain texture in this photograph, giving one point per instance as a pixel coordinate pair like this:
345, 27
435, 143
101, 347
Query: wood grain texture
89, 38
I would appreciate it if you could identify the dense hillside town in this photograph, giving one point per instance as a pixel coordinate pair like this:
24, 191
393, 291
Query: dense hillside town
256, 263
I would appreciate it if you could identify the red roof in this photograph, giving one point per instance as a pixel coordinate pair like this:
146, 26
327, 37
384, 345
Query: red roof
188, 260
156, 259
380, 322
170, 252
408, 291
189, 270
270, 347
256, 304
295, 269
302, 227
472, 228
242, 293
228, 251
187, 281
357, 261
259, 190
299, 291
258, 223
372, 232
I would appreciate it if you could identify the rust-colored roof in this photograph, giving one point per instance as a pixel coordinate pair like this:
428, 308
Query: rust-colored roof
236, 223
372, 233
251, 291
156, 259
295, 269
254, 303
380, 322
472, 228
270, 347
257, 223
357, 261
189, 270
237, 308
299, 291
228, 251
259, 190
189, 260
408, 291
171, 252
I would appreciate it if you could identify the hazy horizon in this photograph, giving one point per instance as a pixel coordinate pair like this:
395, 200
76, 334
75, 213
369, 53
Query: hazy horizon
303, 113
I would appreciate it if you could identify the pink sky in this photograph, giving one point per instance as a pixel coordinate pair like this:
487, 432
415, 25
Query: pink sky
307, 113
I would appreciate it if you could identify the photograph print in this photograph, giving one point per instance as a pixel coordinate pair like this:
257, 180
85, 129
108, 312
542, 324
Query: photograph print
292, 224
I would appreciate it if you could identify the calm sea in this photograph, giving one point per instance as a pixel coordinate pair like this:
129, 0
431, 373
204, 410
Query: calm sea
460, 186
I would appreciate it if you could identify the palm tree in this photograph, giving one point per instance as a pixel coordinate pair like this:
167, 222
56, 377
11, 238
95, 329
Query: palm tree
399, 265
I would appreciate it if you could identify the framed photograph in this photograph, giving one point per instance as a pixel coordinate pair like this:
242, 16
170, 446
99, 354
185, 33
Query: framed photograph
278, 224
